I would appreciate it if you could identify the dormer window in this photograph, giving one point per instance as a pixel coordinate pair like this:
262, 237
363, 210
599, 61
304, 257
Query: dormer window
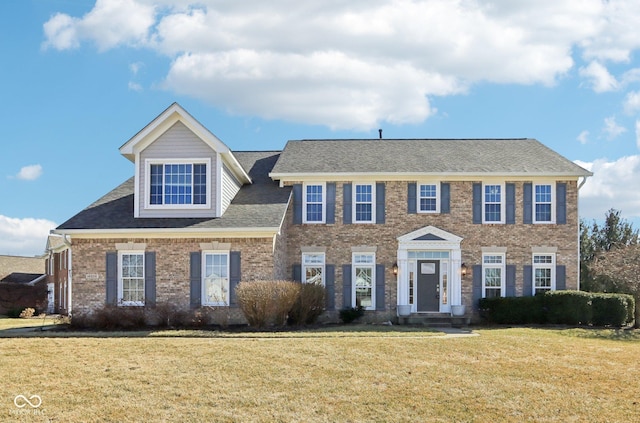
178, 183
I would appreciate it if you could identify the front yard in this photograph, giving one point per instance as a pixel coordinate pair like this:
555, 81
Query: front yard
359, 373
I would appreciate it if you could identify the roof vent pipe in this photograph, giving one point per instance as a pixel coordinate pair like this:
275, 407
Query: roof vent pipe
380, 132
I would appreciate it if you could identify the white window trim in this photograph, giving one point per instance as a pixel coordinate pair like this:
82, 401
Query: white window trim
437, 184
553, 203
373, 203
147, 184
372, 265
121, 302
502, 203
535, 266
203, 287
303, 276
503, 272
304, 203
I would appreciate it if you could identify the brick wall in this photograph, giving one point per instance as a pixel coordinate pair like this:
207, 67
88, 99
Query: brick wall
518, 238
172, 267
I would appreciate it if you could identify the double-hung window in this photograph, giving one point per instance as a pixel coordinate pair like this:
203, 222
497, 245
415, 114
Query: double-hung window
178, 183
493, 275
544, 278
364, 203
215, 278
493, 203
428, 198
543, 211
364, 280
313, 268
314, 203
131, 278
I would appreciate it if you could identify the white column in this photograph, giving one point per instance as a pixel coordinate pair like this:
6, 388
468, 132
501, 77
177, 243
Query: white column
403, 278
456, 278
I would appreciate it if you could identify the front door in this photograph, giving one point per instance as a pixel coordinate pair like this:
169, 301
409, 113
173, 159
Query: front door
428, 294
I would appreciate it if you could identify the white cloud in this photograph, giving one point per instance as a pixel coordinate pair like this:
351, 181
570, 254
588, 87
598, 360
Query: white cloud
638, 134
611, 128
583, 137
109, 24
24, 236
614, 184
135, 67
599, 77
134, 86
30, 173
632, 102
381, 60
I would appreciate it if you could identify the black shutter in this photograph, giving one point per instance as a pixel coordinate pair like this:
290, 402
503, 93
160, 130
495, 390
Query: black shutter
511, 281
234, 275
477, 284
561, 277
445, 197
331, 203
527, 210
510, 195
112, 278
195, 278
477, 203
380, 209
150, 279
412, 206
330, 286
561, 203
346, 286
296, 272
297, 204
380, 303
346, 204
527, 288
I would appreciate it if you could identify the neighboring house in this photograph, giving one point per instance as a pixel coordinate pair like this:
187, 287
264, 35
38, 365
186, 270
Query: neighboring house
22, 283
421, 224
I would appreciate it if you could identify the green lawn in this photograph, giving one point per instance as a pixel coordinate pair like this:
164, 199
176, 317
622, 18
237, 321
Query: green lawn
364, 373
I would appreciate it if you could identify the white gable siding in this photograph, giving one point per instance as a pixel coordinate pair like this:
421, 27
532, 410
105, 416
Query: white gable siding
230, 187
178, 142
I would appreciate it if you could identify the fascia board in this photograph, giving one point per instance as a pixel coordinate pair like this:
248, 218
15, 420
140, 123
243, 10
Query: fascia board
409, 176
266, 232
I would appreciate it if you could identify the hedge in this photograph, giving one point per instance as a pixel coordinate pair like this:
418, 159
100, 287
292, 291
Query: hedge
560, 307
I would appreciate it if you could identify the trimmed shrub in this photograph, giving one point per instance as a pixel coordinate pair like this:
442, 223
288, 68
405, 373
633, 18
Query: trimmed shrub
309, 305
610, 310
568, 307
266, 302
513, 310
560, 307
349, 314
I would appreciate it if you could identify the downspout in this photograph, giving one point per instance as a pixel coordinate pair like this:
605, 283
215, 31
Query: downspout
584, 180
67, 242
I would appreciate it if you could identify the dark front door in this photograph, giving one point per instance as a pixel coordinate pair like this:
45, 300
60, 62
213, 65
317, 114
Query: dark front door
428, 285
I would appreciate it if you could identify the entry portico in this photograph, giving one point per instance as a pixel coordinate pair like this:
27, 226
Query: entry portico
429, 278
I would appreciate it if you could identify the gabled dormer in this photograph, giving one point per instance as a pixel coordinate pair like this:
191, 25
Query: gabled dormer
181, 168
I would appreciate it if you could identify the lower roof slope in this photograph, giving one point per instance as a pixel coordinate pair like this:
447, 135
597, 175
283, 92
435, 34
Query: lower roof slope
261, 204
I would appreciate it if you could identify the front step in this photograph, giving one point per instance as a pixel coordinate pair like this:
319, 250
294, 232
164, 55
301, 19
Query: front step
434, 320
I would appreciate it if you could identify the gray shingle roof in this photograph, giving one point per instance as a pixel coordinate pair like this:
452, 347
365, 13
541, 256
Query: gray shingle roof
259, 205
449, 156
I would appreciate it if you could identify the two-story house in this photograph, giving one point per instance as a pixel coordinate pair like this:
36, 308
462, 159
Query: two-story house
395, 226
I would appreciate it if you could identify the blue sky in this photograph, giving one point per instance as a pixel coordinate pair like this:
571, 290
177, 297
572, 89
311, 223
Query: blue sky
79, 78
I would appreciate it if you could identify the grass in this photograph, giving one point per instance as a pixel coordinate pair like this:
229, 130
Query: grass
7, 323
361, 373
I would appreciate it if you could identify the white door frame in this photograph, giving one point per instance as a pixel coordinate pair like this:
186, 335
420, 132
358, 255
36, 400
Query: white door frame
430, 239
